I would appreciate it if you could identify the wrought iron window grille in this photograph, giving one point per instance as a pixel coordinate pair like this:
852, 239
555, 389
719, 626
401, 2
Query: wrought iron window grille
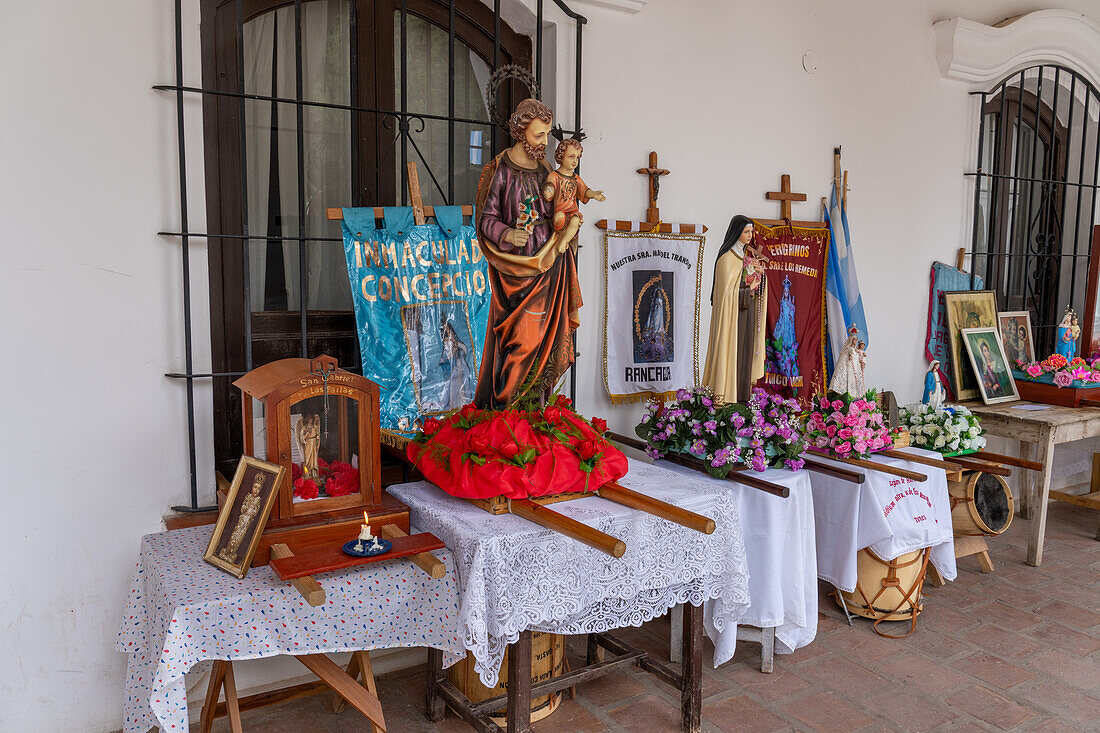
1034, 192
403, 122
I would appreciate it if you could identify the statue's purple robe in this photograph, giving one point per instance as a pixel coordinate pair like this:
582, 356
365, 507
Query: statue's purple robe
535, 293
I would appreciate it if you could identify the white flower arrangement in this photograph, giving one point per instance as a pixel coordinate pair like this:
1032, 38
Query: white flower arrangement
947, 430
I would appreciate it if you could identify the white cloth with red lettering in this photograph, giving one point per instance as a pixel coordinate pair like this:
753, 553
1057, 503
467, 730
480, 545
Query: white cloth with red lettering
889, 514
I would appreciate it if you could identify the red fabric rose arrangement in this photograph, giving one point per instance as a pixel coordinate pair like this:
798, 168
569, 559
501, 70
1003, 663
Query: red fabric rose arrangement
847, 426
336, 478
480, 454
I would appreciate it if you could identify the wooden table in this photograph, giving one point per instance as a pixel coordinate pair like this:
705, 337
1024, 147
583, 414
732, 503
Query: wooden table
517, 700
515, 577
1038, 431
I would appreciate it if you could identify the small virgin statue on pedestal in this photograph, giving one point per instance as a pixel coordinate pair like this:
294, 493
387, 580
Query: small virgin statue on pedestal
1067, 334
735, 354
933, 387
308, 433
848, 372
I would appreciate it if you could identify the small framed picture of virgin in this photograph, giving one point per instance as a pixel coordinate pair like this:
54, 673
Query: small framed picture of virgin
242, 518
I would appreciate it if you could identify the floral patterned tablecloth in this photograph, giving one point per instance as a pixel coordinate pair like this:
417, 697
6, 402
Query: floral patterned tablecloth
515, 575
182, 611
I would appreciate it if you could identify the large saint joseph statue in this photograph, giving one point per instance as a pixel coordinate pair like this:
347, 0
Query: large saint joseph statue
735, 355
535, 293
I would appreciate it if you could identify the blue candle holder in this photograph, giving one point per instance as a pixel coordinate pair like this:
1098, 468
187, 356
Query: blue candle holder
369, 549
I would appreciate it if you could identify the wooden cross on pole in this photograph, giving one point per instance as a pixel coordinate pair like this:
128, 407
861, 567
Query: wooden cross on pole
653, 214
785, 196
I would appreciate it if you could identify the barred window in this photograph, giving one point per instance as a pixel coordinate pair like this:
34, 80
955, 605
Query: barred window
1035, 204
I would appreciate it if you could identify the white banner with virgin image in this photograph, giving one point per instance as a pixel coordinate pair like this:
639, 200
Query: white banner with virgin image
651, 313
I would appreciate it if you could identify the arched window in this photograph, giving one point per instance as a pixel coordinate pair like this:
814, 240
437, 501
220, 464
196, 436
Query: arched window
299, 159
1036, 203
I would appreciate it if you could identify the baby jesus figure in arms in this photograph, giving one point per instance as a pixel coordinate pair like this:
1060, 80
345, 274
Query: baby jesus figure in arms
565, 188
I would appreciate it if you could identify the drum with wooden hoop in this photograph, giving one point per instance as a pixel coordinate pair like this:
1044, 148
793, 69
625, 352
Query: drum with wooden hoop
547, 660
981, 504
887, 590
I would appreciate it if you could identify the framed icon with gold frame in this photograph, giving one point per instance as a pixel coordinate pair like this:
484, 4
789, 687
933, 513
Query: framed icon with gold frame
967, 309
244, 514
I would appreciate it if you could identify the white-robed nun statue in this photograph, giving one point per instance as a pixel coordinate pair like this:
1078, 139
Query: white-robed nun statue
933, 387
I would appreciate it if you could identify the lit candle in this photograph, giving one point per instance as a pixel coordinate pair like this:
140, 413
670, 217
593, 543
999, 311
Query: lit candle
364, 533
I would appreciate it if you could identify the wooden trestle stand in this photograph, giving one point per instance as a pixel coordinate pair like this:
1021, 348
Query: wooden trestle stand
967, 545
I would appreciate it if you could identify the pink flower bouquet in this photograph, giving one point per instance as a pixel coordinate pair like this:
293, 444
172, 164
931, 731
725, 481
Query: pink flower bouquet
847, 426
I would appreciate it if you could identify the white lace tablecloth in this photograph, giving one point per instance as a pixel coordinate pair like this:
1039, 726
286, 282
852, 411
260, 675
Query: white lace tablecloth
781, 552
182, 611
891, 515
514, 575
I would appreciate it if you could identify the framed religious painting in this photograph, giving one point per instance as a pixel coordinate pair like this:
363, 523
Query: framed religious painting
991, 366
1015, 330
967, 309
243, 516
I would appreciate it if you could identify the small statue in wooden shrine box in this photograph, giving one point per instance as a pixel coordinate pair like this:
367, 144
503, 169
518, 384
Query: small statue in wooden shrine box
321, 424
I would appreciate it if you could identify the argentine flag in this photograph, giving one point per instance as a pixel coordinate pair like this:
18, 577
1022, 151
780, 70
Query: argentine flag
843, 304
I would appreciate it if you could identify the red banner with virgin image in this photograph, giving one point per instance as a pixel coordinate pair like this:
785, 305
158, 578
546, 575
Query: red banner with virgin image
794, 361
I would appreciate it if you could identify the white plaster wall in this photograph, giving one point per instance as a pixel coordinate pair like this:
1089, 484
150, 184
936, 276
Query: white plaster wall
93, 435
718, 89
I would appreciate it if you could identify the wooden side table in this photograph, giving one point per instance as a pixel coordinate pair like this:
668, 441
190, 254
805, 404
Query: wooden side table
1038, 431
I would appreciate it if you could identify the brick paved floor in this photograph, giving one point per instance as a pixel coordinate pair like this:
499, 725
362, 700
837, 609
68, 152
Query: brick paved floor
1014, 650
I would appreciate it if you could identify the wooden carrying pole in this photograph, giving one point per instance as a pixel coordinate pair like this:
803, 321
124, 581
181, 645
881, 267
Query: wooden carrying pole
854, 477
1007, 460
310, 589
993, 468
916, 458
569, 527
426, 561
882, 468
628, 497
420, 212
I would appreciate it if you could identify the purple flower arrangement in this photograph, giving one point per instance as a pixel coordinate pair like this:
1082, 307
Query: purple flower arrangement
765, 432
847, 426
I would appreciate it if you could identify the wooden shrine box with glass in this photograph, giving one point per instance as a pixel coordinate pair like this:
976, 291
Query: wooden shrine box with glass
320, 423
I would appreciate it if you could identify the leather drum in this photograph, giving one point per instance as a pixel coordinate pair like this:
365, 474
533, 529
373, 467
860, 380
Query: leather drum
981, 504
887, 590
547, 660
